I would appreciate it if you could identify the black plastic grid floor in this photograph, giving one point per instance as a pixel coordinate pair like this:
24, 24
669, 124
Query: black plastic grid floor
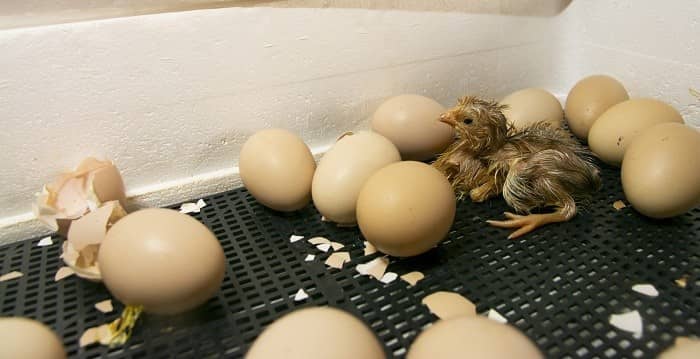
559, 285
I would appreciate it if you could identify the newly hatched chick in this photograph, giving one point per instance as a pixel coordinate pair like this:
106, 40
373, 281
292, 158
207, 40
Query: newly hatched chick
535, 167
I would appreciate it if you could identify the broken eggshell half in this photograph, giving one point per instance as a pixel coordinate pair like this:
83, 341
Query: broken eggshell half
75, 193
85, 236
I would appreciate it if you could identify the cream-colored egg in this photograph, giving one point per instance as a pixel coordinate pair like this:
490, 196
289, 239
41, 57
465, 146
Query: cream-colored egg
164, 260
412, 123
277, 167
532, 105
344, 169
406, 208
588, 99
661, 170
316, 333
472, 337
28, 338
620, 124
686, 349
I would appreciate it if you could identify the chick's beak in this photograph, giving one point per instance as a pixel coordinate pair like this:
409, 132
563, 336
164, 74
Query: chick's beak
448, 119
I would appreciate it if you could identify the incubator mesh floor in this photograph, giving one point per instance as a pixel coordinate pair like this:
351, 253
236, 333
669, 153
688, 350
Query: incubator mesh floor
559, 285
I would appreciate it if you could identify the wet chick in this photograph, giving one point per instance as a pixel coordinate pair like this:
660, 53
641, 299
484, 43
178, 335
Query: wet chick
533, 168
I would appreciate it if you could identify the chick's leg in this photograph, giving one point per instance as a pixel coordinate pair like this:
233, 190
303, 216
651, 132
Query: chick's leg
528, 223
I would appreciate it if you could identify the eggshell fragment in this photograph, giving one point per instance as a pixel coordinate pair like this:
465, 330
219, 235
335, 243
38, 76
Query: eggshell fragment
293, 238
412, 278
682, 282
75, 193
472, 337
319, 240
337, 259
324, 247
412, 123
309, 258
62, 273
496, 316
10, 276
588, 99
190, 207
646, 289
532, 105
369, 248
28, 338
175, 263
629, 322
104, 306
389, 277
85, 236
277, 167
343, 170
45, 242
618, 205
374, 268
317, 333
336, 245
300, 295
446, 305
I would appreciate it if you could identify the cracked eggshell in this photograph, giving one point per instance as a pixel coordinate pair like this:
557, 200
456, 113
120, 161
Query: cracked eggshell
317, 333
277, 167
412, 123
75, 193
617, 127
344, 169
531, 105
472, 337
162, 259
406, 208
661, 170
588, 99
27, 338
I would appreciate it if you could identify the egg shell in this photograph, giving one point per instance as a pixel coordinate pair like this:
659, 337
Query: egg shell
344, 169
406, 208
661, 170
687, 350
620, 124
277, 167
28, 338
588, 99
412, 123
162, 259
316, 333
472, 337
532, 105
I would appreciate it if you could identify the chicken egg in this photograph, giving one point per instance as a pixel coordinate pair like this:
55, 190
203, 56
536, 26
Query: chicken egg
163, 260
531, 105
588, 99
411, 123
316, 333
277, 167
621, 123
661, 170
344, 169
406, 208
28, 338
472, 337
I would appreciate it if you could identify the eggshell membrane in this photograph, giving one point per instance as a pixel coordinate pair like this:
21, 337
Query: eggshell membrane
406, 208
661, 170
412, 123
277, 168
472, 337
687, 350
344, 169
617, 127
588, 99
532, 105
316, 333
162, 259
27, 338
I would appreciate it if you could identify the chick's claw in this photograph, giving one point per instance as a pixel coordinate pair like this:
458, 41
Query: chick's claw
526, 224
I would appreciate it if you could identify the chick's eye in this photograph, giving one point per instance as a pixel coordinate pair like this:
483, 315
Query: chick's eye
468, 121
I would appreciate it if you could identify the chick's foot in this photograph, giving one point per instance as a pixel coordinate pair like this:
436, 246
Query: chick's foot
528, 223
